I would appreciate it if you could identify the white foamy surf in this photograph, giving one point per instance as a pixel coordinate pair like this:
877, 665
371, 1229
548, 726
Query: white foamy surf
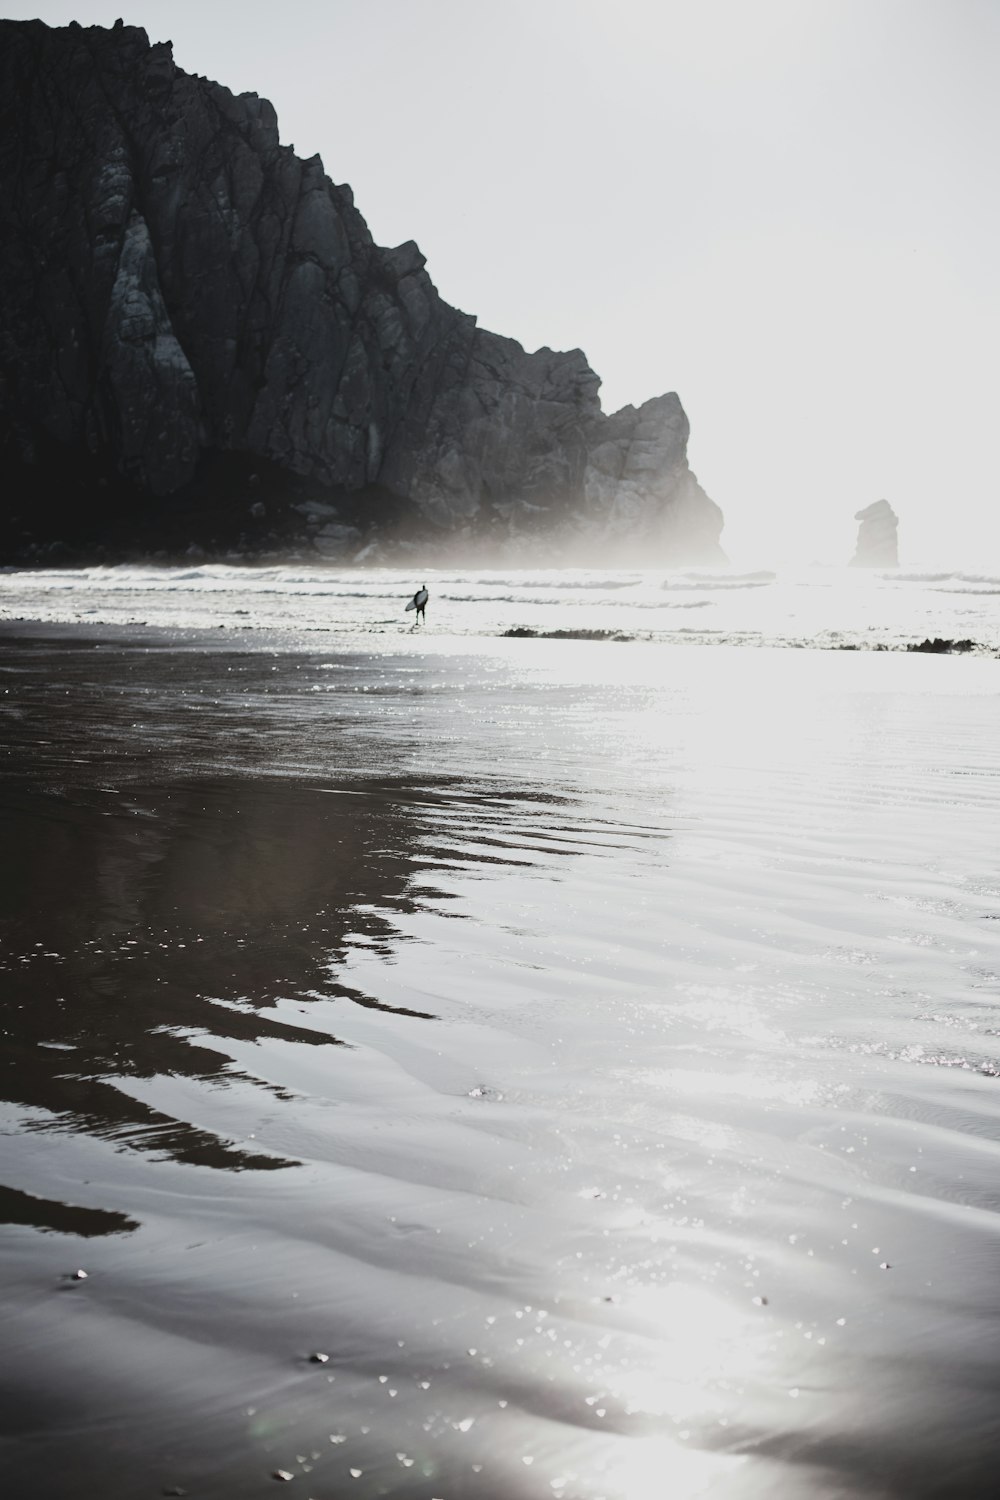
822, 607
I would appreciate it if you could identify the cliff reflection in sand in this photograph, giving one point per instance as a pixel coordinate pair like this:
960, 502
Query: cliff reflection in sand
142, 925
147, 923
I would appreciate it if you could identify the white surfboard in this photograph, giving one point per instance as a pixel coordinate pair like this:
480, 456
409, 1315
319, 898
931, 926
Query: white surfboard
412, 604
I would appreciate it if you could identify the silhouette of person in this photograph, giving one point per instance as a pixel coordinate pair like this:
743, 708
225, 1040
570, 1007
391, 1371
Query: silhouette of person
420, 603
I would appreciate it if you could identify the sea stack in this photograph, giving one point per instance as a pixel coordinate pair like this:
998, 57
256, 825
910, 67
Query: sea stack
878, 542
202, 348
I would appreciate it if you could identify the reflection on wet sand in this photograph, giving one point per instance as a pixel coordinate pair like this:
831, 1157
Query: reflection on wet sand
17, 1207
632, 1073
170, 876
139, 924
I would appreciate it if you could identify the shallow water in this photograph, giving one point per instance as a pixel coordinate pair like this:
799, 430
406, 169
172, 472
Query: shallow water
594, 1051
815, 607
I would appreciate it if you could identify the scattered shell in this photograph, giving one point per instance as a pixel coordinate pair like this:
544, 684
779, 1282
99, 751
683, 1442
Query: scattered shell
78, 1276
319, 1359
282, 1474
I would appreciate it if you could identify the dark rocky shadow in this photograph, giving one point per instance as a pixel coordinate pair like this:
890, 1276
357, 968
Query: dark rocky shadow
139, 925
62, 1218
158, 894
190, 836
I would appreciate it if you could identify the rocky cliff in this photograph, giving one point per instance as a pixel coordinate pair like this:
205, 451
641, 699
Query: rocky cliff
878, 540
200, 339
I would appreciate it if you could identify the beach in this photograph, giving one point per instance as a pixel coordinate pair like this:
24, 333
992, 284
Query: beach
478, 1067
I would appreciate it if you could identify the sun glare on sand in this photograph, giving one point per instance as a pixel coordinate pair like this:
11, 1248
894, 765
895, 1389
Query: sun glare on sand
704, 1350
654, 1468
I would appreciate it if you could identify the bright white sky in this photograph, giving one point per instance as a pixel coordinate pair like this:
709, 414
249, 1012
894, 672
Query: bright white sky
785, 210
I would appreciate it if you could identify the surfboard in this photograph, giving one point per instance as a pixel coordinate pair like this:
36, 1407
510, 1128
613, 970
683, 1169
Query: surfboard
412, 604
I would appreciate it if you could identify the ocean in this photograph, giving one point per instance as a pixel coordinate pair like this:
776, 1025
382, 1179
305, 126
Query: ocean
474, 1066
814, 607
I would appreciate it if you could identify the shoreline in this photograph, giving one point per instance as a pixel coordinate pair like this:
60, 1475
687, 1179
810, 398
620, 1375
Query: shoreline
290, 640
813, 610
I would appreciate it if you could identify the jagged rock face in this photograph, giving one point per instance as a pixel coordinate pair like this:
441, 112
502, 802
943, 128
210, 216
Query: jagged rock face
176, 283
878, 543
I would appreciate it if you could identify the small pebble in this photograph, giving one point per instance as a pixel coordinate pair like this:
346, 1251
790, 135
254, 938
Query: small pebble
760, 1302
319, 1359
283, 1475
79, 1276
884, 1265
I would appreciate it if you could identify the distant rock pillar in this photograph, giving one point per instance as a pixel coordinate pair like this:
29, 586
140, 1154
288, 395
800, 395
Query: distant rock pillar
878, 542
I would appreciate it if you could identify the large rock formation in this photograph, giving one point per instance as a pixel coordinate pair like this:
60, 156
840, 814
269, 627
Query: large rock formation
878, 545
199, 337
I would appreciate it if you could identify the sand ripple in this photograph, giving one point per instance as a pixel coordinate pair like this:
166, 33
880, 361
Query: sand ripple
597, 1063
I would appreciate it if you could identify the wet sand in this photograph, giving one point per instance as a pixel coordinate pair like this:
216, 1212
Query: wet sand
594, 1058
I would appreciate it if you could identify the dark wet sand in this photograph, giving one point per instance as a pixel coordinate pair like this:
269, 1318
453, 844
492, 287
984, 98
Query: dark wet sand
326, 1033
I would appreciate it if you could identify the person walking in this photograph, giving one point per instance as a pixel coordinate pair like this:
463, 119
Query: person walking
419, 603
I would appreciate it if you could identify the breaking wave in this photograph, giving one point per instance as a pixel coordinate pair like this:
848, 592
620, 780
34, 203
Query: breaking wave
951, 583
828, 608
